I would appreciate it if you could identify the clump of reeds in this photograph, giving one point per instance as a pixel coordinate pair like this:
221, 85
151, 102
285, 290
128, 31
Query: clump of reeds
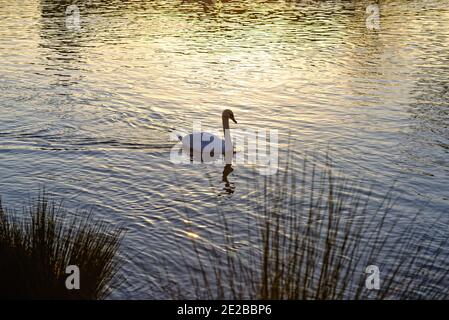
37, 246
313, 237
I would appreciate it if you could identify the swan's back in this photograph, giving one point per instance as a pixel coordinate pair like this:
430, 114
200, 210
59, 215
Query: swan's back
198, 141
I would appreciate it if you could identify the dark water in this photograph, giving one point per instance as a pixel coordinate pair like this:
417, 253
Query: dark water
87, 113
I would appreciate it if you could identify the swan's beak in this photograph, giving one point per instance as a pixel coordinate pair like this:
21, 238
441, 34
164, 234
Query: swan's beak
233, 119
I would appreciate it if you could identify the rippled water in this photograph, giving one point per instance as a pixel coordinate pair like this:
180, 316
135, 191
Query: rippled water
87, 113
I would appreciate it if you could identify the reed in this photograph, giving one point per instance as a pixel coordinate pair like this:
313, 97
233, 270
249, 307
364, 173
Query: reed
37, 246
316, 235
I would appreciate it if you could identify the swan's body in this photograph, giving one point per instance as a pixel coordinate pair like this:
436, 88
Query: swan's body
204, 142
198, 141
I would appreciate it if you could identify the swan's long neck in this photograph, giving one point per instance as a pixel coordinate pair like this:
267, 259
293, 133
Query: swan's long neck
226, 131
228, 141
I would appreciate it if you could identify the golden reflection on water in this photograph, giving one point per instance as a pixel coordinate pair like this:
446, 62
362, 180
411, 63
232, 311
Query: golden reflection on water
91, 111
192, 235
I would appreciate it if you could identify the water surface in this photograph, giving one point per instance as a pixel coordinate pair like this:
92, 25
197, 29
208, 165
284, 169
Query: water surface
87, 113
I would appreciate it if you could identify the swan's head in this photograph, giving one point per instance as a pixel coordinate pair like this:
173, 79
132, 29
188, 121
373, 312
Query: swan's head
228, 114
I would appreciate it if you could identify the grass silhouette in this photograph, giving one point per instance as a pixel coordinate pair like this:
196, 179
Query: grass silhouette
37, 246
315, 237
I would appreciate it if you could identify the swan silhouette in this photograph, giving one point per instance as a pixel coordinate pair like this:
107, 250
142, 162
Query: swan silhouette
200, 143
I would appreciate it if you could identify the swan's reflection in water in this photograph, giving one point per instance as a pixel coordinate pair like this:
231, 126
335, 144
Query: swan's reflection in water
229, 187
199, 158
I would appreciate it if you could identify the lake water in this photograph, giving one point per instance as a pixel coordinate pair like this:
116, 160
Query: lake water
87, 112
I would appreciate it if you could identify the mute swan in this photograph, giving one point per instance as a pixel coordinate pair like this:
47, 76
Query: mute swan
204, 142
